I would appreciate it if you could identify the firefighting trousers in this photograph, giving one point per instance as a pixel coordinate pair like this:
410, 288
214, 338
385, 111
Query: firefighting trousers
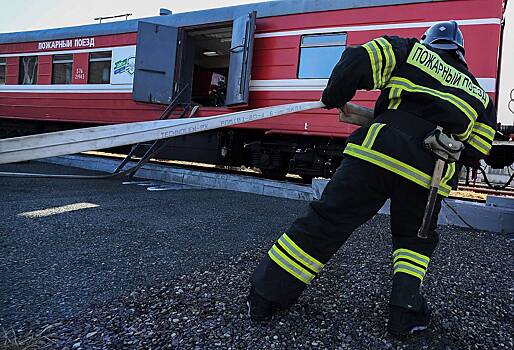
354, 195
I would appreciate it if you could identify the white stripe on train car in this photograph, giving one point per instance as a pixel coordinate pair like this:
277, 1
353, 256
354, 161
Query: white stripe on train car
67, 88
488, 84
463, 22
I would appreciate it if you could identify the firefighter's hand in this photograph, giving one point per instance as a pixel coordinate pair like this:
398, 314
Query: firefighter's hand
325, 105
328, 101
470, 157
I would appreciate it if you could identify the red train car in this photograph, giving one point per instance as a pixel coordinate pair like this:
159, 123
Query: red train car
238, 57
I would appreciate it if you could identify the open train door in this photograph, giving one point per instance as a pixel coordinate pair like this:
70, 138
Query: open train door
156, 55
241, 52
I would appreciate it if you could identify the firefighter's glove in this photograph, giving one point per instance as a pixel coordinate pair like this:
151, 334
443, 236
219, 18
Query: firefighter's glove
325, 105
470, 158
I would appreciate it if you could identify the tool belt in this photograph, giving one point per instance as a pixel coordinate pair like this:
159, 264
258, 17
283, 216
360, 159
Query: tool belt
407, 123
433, 138
443, 146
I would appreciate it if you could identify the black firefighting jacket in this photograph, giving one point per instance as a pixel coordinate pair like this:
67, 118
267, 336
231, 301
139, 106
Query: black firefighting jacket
421, 89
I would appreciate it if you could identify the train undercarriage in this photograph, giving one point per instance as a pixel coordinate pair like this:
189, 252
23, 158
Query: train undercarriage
274, 155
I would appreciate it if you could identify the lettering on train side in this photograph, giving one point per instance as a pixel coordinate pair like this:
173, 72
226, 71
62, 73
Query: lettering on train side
80, 74
66, 44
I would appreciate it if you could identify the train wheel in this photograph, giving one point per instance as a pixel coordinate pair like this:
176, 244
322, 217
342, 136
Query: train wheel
274, 173
307, 178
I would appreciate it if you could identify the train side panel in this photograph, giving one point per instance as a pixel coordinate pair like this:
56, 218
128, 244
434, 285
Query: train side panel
307, 143
275, 65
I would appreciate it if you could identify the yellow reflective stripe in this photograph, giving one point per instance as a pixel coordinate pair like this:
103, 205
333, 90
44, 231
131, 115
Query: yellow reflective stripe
289, 265
461, 137
484, 130
394, 98
375, 134
301, 254
376, 62
479, 143
288, 247
465, 135
373, 58
379, 64
409, 272
291, 252
389, 58
368, 135
398, 167
410, 266
449, 174
408, 269
411, 255
457, 102
372, 134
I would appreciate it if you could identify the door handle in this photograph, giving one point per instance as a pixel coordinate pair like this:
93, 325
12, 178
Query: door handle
233, 49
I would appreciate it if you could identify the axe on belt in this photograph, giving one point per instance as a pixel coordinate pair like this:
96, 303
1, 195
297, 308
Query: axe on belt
445, 148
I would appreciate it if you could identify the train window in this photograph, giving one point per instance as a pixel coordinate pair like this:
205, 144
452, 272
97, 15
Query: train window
2, 70
28, 70
100, 67
61, 69
319, 54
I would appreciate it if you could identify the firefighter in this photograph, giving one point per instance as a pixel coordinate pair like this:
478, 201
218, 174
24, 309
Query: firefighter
424, 84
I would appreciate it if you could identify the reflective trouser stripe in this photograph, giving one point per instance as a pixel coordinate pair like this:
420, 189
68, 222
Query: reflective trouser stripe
457, 102
405, 267
450, 171
375, 57
299, 254
408, 254
290, 266
372, 134
479, 143
394, 165
389, 58
395, 98
484, 130
407, 261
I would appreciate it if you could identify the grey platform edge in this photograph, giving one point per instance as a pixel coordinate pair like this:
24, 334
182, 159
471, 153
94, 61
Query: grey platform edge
496, 215
204, 179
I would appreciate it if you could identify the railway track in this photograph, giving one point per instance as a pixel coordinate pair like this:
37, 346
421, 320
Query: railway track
199, 166
509, 191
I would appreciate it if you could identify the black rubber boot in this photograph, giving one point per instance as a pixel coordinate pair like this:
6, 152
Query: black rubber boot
404, 321
408, 310
259, 309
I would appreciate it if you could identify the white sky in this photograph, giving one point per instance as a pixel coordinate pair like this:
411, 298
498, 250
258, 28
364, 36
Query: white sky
24, 15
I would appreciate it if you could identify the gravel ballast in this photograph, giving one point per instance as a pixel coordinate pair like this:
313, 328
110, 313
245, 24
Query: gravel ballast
92, 285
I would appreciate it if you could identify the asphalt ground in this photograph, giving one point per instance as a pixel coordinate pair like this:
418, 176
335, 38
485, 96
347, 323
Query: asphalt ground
126, 267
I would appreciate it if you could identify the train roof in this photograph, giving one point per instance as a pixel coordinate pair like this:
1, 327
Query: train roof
222, 14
